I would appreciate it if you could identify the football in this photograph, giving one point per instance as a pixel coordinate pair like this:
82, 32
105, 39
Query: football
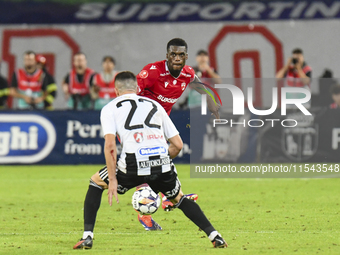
145, 201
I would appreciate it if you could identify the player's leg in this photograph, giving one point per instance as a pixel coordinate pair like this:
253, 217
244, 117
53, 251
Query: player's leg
169, 184
193, 211
91, 206
167, 205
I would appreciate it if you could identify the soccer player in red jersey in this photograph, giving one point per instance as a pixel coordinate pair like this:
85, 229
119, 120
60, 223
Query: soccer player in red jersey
165, 81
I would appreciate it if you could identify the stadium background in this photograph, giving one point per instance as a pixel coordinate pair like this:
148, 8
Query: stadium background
245, 39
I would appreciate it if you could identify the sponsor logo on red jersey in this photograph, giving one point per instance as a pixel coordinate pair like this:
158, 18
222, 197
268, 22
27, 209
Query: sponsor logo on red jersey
167, 100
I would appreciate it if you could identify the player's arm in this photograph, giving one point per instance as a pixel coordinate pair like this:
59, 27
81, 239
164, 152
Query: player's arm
176, 145
199, 87
146, 78
110, 152
171, 133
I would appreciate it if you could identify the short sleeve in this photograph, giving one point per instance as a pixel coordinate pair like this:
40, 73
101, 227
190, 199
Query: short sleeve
146, 78
107, 121
168, 126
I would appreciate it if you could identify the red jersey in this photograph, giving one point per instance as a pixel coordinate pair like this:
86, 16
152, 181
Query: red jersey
106, 89
77, 87
156, 82
29, 81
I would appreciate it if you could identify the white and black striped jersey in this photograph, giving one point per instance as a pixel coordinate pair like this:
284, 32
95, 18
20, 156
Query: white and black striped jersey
143, 127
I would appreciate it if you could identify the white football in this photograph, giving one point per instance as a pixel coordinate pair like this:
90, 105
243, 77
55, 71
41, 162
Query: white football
145, 201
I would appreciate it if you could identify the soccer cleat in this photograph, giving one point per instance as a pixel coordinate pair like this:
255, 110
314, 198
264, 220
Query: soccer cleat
168, 206
84, 243
219, 242
192, 196
148, 223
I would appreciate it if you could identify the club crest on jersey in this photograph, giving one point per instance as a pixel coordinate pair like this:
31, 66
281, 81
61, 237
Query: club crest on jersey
138, 137
143, 74
183, 85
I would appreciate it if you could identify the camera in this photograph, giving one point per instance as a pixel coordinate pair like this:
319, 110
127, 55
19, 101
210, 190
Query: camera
295, 61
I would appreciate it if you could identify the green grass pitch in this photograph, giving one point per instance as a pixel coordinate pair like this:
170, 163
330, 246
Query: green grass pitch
41, 212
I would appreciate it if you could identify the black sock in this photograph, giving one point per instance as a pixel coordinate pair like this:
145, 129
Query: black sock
91, 207
195, 214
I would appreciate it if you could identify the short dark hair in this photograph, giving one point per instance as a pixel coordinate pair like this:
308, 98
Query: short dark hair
109, 58
79, 53
297, 51
177, 42
125, 75
202, 52
29, 52
335, 89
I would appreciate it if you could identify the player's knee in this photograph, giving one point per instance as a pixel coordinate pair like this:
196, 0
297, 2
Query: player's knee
177, 198
97, 180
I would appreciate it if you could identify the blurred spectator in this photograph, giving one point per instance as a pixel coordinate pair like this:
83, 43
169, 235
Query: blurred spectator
29, 84
103, 89
4, 92
76, 84
51, 88
206, 73
296, 71
335, 92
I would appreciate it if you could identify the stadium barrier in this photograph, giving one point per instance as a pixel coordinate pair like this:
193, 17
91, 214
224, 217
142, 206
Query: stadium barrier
74, 137
63, 137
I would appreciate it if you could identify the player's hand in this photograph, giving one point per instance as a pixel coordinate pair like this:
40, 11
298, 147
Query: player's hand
113, 191
214, 108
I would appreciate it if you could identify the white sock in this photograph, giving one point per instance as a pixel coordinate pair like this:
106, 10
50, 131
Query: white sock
213, 235
87, 233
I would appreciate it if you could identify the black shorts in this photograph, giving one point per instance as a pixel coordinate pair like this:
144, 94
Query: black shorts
167, 183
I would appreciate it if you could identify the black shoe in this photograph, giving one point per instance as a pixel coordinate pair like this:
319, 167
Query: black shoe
84, 243
219, 242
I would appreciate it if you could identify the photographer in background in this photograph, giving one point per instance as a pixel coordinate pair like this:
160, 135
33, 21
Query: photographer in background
76, 85
51, 86
296, 71
29, 84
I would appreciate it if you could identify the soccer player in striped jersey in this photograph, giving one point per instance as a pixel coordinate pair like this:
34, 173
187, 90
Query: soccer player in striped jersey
134, 118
